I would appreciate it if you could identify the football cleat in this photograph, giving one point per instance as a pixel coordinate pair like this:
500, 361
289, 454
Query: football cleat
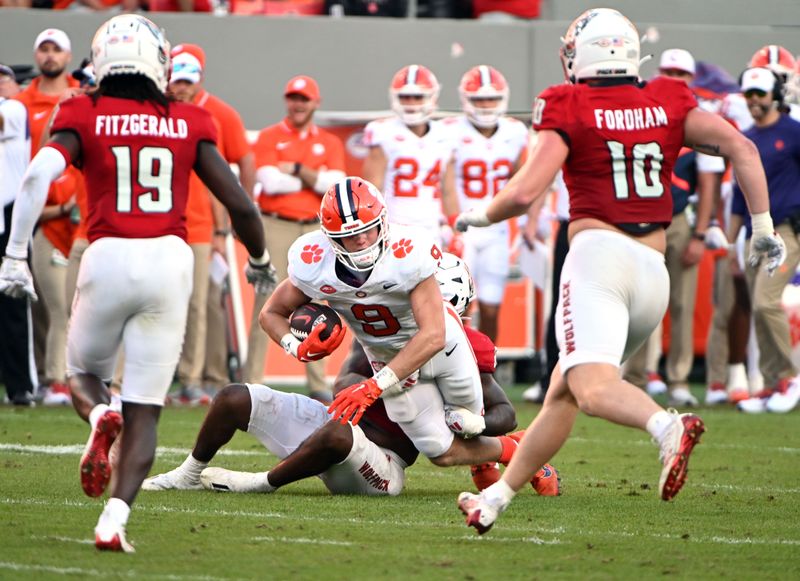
112, 539
655, 384
224, 480
176, 479
95, 466
756, 403
480, 513
682, 397
547, 481
785, 398
716, 394
676, 447
484, 475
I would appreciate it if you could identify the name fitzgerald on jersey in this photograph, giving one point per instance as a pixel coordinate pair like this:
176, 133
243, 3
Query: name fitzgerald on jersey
631, 119
141, 124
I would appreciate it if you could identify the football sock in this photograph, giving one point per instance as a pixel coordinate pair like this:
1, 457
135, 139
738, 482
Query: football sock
193, 468
658, 423
96, 413
118, 510
509, 446
499, 493
267, 486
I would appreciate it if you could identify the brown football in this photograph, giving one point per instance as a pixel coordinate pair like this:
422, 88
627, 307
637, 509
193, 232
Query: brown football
307, 316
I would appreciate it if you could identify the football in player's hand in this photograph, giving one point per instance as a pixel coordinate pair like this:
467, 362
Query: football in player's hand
307, 316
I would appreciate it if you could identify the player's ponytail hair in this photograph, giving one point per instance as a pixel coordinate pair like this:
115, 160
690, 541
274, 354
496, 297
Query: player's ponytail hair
132, 86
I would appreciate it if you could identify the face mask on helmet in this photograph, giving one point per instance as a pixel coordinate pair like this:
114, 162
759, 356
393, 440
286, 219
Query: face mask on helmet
600, 43
131, 44
354, 206
483, 83
414, 81
775, 58
455, 282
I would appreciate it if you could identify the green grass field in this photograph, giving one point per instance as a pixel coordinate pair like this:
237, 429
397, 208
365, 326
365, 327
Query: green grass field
737, 517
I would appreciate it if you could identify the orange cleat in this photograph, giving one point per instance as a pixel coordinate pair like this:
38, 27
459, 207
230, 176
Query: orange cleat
547, 481
484, 475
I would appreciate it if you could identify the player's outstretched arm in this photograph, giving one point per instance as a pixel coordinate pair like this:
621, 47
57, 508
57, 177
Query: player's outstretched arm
531, 181
216, 174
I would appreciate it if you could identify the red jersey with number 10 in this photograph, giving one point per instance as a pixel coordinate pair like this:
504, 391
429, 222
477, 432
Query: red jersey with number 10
136, 161
623, 142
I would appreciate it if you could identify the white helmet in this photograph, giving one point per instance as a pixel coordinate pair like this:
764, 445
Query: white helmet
414, 80
455, 282
483, 82
600, 43
131, 44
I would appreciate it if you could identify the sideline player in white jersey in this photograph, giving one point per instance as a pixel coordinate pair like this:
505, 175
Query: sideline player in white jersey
408, 152
487, 149
382, 283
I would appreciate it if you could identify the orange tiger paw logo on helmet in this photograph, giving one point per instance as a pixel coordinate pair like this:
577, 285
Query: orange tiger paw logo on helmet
402, 248
311, 253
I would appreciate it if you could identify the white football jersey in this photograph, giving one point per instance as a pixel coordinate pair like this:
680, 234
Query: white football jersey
379, 311
414, 168
483, 165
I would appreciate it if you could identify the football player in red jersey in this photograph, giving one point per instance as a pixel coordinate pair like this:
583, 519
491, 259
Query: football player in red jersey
617, 139
136, 149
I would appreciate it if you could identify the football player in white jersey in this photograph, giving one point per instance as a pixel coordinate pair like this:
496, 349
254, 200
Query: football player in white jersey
408, 152
382, 283
488, 149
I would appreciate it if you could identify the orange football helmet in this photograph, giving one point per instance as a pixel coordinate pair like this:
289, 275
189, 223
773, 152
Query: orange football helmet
354, 206
484, 82
413, 81
775, 58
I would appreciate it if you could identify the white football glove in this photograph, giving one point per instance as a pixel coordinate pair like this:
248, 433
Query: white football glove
263, 277
16, 280
463, 422
769, 248
715, 238
473, 217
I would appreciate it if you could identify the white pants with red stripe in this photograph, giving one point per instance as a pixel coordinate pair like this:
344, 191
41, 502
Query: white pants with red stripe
614, 292
134, 293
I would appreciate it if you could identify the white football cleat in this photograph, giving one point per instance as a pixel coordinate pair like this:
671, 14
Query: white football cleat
108, 537
463, 422
682, 397
676, 447
753, 405
480, 512
716, 394
176, 479
231, 481
655, 385
785, 398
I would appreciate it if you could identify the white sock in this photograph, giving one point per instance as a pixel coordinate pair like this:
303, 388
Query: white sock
118, 510
499, 493
193, 467
267, 486
96, 413
658, 423
737, 376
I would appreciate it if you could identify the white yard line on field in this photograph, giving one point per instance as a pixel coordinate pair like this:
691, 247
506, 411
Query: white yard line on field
384, 523
131, 574
303, 541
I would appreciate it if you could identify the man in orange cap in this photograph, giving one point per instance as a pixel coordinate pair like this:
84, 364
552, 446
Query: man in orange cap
296, 162
207, 225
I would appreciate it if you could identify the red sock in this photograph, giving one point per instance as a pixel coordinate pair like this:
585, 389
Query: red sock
509, 446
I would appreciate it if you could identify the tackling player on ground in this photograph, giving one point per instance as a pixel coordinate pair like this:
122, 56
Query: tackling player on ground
617, 139
136, 149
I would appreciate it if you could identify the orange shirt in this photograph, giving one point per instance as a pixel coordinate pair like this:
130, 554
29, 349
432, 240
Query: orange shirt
61, 231
39, 108
232, 144
314, 148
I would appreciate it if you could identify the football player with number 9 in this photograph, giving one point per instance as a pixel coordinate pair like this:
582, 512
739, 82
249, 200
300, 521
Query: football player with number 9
136, 149
617, 139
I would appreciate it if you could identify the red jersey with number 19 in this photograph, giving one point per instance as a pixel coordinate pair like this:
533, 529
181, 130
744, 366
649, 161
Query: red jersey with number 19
136, 160
623, 142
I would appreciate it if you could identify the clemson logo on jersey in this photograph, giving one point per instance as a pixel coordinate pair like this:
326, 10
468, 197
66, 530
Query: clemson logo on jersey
311, 253
318, 149
399, 138
402, 248
779, 144
327, 289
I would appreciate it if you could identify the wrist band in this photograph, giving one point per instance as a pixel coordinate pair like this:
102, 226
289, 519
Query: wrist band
290, 343
762, 224
385, 378
262, 261
297, 166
